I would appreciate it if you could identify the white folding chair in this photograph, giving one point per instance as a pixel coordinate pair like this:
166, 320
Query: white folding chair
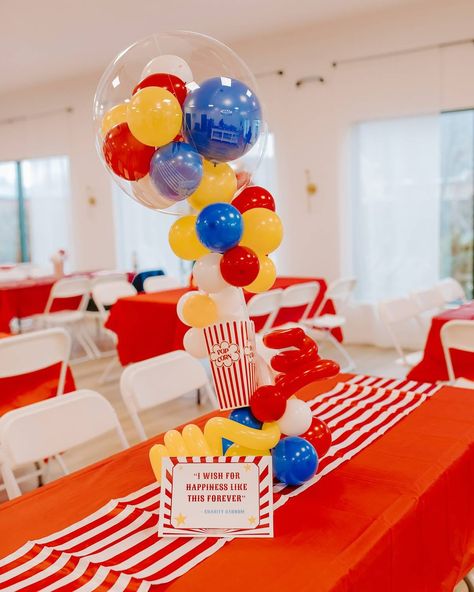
451, 292
457, 335
398, 311
105, 295
265, 304
48, 428
108, 276
30, 352
155, 381
159, 283
321, 326
72, 320
429, 303
299, 295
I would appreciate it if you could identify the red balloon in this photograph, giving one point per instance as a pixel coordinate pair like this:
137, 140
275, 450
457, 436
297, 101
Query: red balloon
254, 197
291, 383
293, 359
268, 403
168, 81
125, 155
239, 266
319, 435
281, 338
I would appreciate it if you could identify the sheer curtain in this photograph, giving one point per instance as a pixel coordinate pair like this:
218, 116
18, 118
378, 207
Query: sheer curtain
395, 206
47, 195
142, 237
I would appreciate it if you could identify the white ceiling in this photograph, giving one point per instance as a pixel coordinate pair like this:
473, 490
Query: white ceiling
46, 40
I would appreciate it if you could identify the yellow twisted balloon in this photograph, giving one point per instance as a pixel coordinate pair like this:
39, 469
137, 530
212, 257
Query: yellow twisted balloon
193, 442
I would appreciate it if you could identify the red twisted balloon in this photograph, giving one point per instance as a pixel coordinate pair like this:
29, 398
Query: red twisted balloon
297, 368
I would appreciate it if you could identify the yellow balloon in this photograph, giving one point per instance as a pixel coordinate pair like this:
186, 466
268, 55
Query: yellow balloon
238, 450
263, 230
154, 116
113, 117
184, 241
193, 442
221, 427
218, 184
199, 310
265, 278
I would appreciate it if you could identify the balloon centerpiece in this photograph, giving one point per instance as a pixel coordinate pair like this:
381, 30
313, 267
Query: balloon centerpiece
180, 128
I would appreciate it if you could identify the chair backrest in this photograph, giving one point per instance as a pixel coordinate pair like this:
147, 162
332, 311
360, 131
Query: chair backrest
456, 335
157, 283
451, 290
55, 425
155, 381
109, 276
267, 303
29, 352
300, 295
107, 293
339, 291
70, 288
428, 300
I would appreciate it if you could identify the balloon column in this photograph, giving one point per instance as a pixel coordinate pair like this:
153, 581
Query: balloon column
180, 128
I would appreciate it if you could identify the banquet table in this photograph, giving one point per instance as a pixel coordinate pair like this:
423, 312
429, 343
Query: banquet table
24, 298
147, 324
433, 366
396, 516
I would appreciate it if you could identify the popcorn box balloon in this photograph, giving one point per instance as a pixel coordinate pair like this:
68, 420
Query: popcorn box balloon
231, 347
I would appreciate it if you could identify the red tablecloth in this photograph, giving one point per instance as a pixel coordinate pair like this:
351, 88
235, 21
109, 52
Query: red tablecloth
398, 516
147, 324
433, 366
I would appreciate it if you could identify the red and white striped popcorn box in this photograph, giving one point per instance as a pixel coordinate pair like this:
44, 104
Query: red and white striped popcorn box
231, 347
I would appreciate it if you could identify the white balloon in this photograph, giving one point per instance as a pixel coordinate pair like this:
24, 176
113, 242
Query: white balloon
230, 304
169, 64
195, 343
207, 273
297, 418
146, 193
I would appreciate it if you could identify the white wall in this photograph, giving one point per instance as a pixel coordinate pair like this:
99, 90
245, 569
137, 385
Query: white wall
310, 123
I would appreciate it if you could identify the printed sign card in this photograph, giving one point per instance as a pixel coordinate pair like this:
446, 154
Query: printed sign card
220, 496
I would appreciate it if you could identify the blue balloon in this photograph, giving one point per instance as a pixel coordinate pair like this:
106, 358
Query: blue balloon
294, 460
176, 170
245, 417
222, 118
219, 227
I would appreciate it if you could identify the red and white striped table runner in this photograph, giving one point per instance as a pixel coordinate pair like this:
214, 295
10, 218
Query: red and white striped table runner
117, 548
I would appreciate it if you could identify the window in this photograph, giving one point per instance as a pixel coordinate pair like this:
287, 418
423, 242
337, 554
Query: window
412, 203
34, 209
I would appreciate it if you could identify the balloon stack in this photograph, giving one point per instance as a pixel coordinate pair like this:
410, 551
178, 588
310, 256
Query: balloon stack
180, 129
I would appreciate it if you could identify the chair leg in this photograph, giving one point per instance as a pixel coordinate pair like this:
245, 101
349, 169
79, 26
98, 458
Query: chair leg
350, 364
198, 396
106, 375
12, 488
62, 465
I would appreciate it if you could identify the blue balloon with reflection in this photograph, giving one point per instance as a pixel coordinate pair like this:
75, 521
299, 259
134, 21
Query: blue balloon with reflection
219, 227
222, 118
244, 416
294, 460
176, 170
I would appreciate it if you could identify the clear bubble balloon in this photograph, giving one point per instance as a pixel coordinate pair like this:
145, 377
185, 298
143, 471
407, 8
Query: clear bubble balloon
192, 58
